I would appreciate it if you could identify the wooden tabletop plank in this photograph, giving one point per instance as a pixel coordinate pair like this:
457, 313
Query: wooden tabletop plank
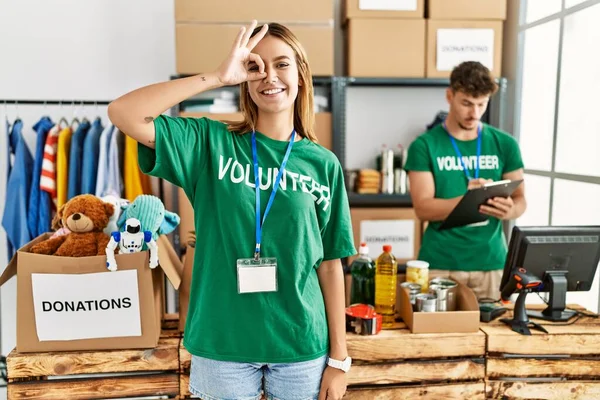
97, 388
471, 391
572, 390
164, 357
417, 372
401, 344
562, 340
575, 368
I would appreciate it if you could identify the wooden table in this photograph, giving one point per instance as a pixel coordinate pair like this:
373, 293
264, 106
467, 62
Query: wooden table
564, 364
97, 374
396, 364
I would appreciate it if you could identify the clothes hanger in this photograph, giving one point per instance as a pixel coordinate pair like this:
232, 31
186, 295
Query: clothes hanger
63, 123
84, 119
75, 120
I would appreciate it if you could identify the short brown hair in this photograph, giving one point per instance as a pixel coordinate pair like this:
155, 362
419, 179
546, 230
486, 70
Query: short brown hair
304, 115
474, 79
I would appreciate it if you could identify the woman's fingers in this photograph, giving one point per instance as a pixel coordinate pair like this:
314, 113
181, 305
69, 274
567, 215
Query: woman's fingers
258, 37
246, 36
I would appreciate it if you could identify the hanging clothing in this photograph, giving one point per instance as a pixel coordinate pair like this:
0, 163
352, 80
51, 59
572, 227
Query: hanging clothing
91, 154
102, 174
114, 181
9, 248
76, 159
136, 183
39, 210
48, 177
14, 220
62, 165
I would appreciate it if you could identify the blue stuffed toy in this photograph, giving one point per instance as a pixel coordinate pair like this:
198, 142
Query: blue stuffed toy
151, 213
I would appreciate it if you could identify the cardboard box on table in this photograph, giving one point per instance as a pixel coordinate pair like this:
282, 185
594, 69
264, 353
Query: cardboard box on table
464, 319
92, 316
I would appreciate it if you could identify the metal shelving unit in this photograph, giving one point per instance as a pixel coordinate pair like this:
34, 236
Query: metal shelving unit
379, 200
494, 116
337, 87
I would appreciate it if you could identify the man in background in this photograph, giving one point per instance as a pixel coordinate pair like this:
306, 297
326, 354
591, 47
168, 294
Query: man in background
459, 154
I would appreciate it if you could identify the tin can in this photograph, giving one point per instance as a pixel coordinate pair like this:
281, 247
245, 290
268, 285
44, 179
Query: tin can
446, 291
426, 302
413, 290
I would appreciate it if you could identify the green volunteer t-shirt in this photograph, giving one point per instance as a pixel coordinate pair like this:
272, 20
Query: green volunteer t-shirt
309, 222
479, 247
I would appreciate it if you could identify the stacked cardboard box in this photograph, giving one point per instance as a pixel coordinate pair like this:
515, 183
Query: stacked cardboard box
464, 30
206, 29
385, 38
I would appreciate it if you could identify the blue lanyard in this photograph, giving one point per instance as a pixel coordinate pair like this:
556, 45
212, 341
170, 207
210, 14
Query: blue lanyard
460, 155
273, 192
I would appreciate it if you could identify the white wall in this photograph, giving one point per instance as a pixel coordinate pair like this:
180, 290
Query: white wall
81, 50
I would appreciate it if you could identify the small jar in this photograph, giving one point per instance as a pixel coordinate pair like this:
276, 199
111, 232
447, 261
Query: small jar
417, 271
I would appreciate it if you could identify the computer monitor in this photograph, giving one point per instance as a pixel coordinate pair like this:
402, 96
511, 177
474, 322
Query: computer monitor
564, 258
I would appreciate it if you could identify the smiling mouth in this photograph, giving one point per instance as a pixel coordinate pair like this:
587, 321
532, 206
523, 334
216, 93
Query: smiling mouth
81, 228
272, 92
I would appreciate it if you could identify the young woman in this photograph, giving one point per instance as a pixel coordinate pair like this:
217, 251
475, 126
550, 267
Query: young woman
266, 311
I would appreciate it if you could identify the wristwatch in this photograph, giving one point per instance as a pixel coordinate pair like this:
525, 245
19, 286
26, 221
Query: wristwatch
343, 365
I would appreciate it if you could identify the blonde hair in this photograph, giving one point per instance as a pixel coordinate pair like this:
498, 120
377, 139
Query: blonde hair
304, 117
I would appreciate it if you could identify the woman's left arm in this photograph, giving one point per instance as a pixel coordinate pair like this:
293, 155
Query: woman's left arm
331, 280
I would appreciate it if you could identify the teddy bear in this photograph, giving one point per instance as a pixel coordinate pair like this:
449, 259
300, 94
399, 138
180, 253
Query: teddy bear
85, 216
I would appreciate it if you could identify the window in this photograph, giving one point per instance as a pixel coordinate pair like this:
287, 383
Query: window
556, 120
537, 192
571, 3
575, 203
538, 9
538, 95
578, 142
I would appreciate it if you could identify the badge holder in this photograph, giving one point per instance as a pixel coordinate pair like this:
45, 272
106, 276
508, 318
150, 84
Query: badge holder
256, 275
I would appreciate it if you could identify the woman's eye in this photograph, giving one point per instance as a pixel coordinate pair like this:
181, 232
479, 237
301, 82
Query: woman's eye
283, 65
253, 68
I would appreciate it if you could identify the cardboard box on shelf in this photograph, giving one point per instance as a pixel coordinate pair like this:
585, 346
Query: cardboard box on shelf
244, 11
75, 303
398, 227
451, 42
384, 9
467, 9
386, 48
202, 47
465, 319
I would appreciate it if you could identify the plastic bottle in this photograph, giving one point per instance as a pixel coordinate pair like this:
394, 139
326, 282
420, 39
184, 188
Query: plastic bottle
386, 277
363, 278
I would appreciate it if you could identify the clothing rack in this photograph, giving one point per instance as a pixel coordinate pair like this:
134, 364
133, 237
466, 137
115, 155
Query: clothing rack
56, 102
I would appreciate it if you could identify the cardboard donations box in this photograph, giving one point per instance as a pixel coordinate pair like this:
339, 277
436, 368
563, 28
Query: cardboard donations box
464, 319
75, 303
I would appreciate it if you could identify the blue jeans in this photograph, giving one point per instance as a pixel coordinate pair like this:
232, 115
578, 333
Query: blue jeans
225, 380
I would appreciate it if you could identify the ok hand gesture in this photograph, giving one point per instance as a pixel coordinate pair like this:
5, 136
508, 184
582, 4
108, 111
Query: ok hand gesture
234, 70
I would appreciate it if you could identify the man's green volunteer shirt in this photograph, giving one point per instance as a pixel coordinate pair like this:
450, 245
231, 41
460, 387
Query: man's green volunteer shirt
480, 247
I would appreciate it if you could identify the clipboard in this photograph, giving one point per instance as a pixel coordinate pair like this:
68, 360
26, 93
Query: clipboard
467, 212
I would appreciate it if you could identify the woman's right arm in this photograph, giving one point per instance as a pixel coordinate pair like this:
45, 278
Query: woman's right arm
134, 112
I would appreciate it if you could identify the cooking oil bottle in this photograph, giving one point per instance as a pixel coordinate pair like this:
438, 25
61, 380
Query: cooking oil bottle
386, 270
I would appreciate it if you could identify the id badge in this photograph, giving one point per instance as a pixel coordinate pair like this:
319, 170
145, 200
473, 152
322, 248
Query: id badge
256, 276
